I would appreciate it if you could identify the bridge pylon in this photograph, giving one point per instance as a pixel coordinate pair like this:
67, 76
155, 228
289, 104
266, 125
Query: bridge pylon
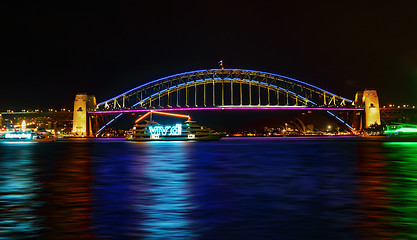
368, 99
82, 123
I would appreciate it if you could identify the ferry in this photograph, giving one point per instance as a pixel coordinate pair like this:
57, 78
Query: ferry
153, 131
401, 129
28, 136
401, 132
19, 136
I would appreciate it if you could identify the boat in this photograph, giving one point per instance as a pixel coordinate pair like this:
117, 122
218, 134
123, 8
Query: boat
28, 136
18, 136
401, 132
187, 131
401, 129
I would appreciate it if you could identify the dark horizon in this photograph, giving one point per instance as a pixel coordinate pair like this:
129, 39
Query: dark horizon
54, 51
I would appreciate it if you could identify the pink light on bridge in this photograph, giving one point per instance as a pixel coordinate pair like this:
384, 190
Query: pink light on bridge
227, 108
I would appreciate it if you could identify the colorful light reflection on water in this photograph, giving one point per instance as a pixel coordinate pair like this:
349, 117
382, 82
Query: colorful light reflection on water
19, 194
242, 188
169, 191
403, 188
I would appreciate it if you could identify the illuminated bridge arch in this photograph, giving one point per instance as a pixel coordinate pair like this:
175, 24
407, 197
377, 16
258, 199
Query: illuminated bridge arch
223, 87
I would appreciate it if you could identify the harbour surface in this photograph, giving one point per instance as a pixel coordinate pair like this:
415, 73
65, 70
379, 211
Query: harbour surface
235, 188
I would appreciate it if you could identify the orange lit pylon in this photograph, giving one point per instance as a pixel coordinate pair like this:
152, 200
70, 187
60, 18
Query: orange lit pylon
163, 113
173, 114
144, 116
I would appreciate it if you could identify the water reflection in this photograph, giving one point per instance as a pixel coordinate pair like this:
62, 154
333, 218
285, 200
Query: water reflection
376, 218
141, 190
267, 189
231, 189
118, 186
167, 206
18, 192
403, 188
388, 173
66, 183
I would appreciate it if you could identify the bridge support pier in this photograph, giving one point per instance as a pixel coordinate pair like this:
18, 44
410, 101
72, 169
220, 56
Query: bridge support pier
368, 99
82, 125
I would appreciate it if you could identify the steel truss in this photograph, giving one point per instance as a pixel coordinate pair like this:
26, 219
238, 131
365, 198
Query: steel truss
220, 87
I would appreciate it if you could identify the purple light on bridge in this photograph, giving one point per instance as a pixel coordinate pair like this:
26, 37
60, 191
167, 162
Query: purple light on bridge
228, 108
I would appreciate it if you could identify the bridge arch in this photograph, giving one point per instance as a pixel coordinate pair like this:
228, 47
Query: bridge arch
247, 84
219, 87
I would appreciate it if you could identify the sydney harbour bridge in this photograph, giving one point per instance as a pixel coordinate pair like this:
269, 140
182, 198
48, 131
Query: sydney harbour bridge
215, 89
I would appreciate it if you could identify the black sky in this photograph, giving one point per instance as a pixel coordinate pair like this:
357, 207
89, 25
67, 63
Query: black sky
52, 51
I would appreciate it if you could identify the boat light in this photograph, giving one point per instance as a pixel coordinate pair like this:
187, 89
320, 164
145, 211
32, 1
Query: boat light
174, 130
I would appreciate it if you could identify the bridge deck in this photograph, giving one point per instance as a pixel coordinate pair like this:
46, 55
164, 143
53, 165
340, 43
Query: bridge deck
231, 108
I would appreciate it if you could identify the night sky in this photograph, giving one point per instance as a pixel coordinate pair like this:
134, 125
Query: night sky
52, 51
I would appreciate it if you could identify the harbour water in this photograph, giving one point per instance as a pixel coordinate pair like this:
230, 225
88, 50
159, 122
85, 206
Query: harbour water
235, 188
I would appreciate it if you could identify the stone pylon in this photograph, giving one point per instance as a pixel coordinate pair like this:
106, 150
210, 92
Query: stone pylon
81, 126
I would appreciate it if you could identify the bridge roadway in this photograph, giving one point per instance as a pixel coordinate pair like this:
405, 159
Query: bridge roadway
265, 107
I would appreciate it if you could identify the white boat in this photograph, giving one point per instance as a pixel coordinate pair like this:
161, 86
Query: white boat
19, 136
28, 136
153, 131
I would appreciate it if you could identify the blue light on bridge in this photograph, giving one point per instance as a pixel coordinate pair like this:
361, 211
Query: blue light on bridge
198, 71
247, 80
311, 105
338, 118
101, 129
